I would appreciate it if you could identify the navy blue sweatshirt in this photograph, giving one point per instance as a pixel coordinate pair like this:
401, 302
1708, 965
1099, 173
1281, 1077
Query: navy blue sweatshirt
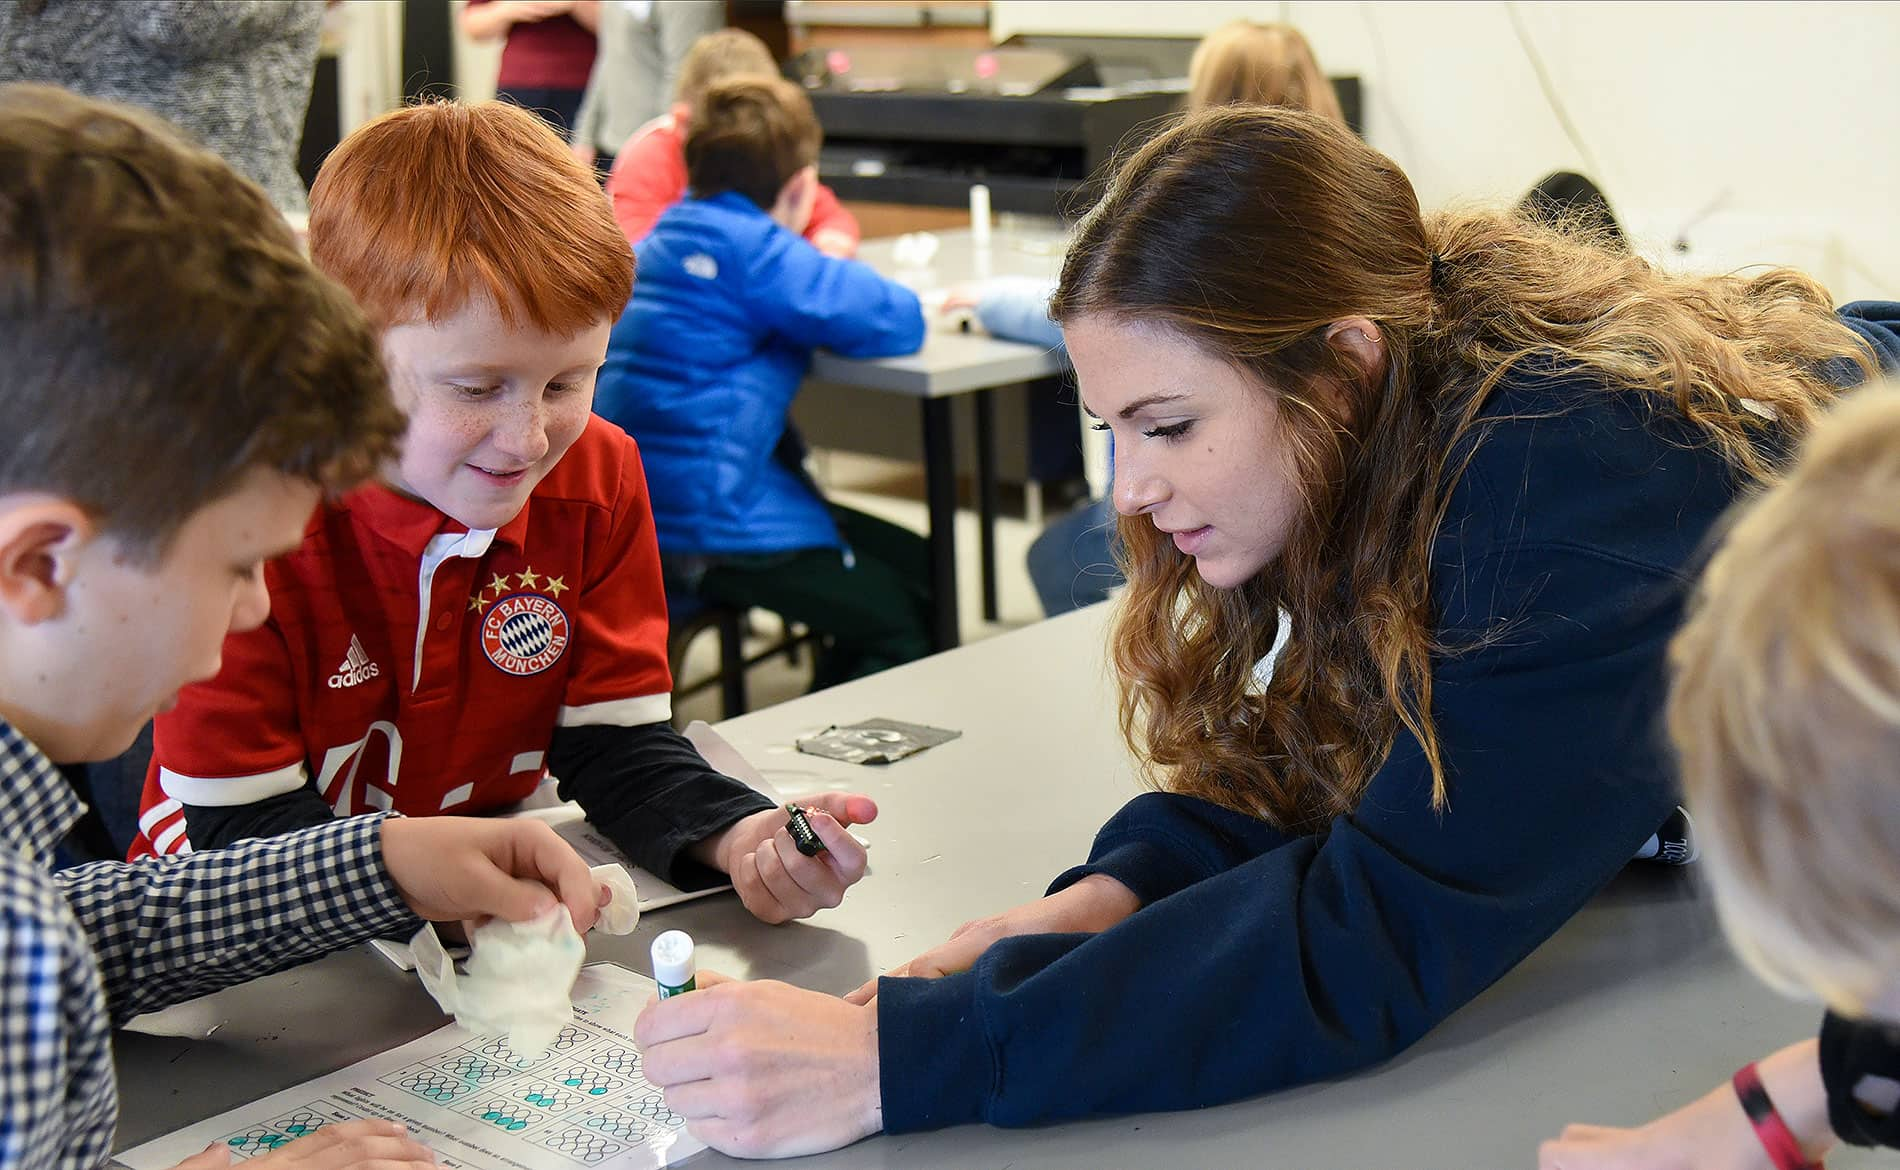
1261, 959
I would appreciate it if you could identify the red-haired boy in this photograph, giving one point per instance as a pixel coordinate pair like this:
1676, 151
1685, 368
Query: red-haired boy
491, 611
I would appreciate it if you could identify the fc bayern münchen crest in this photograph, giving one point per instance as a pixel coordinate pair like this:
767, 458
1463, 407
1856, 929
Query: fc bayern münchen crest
524, 633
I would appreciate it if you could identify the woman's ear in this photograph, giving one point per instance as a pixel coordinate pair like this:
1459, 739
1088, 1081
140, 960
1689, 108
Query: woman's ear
1361, 340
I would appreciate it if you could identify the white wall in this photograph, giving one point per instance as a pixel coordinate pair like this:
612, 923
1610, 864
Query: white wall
368, 37
477, 63
1782, 117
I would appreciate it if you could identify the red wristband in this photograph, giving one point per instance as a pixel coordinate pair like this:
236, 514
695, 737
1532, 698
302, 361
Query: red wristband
1773, 1133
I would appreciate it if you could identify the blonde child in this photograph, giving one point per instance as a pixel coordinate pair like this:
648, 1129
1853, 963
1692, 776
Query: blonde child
1785, 711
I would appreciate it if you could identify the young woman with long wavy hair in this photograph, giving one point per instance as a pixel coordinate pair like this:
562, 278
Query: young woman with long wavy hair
1073, 562
1460, 466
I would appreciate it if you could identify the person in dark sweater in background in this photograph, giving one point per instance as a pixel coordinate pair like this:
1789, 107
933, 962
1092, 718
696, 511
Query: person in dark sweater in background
1473, 459
1785, 711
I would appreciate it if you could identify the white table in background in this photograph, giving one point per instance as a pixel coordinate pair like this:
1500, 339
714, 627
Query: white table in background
951, 363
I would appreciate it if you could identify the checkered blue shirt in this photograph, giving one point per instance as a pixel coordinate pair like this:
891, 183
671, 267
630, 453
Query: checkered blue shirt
91, 947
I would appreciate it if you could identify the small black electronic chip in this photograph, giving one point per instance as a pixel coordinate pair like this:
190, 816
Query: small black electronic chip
803, 835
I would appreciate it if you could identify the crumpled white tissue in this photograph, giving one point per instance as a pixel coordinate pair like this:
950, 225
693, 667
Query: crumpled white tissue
622, 914
519, 978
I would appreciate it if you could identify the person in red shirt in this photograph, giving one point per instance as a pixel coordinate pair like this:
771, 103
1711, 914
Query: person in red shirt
546, 55
490, 611
649, 173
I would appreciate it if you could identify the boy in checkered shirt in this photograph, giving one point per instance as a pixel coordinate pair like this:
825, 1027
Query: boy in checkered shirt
490, 610
180, 388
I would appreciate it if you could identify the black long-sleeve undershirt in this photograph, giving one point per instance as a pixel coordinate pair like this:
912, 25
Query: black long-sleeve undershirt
646, 788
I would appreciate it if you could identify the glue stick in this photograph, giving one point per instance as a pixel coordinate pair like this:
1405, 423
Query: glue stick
673, 963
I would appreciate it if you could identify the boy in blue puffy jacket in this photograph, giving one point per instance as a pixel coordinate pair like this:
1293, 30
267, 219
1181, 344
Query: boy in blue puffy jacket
702, 369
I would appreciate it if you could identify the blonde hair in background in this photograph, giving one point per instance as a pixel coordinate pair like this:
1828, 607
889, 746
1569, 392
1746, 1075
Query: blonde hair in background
719, 56
1785, 712
1265, 64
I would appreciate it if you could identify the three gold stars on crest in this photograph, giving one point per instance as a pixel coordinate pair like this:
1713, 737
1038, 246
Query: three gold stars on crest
526, 579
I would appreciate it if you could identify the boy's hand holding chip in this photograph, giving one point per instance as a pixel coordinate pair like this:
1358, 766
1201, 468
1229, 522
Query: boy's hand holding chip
775, 878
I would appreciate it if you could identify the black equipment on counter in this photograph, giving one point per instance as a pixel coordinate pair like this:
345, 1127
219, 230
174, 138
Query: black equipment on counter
1032, 118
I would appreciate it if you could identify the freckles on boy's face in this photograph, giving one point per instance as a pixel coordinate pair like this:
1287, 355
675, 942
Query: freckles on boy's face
492, 408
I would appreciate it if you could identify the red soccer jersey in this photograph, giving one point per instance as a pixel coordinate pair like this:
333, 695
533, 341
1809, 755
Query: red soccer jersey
409, 663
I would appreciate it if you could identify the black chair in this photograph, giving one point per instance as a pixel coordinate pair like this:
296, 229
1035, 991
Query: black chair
1565, 199
688, 617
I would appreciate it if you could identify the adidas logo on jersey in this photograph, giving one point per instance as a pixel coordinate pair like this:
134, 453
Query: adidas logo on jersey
355, 667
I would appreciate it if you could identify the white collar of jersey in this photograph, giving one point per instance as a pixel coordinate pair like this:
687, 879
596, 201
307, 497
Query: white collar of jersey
472, 545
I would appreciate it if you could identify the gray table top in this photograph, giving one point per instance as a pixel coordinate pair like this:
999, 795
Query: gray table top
1632, 1009
953, 361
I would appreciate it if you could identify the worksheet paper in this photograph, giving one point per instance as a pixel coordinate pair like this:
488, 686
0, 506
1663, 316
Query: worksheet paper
480, 1105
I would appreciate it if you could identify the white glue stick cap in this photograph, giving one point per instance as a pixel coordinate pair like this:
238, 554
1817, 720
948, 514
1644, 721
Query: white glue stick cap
673, 959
